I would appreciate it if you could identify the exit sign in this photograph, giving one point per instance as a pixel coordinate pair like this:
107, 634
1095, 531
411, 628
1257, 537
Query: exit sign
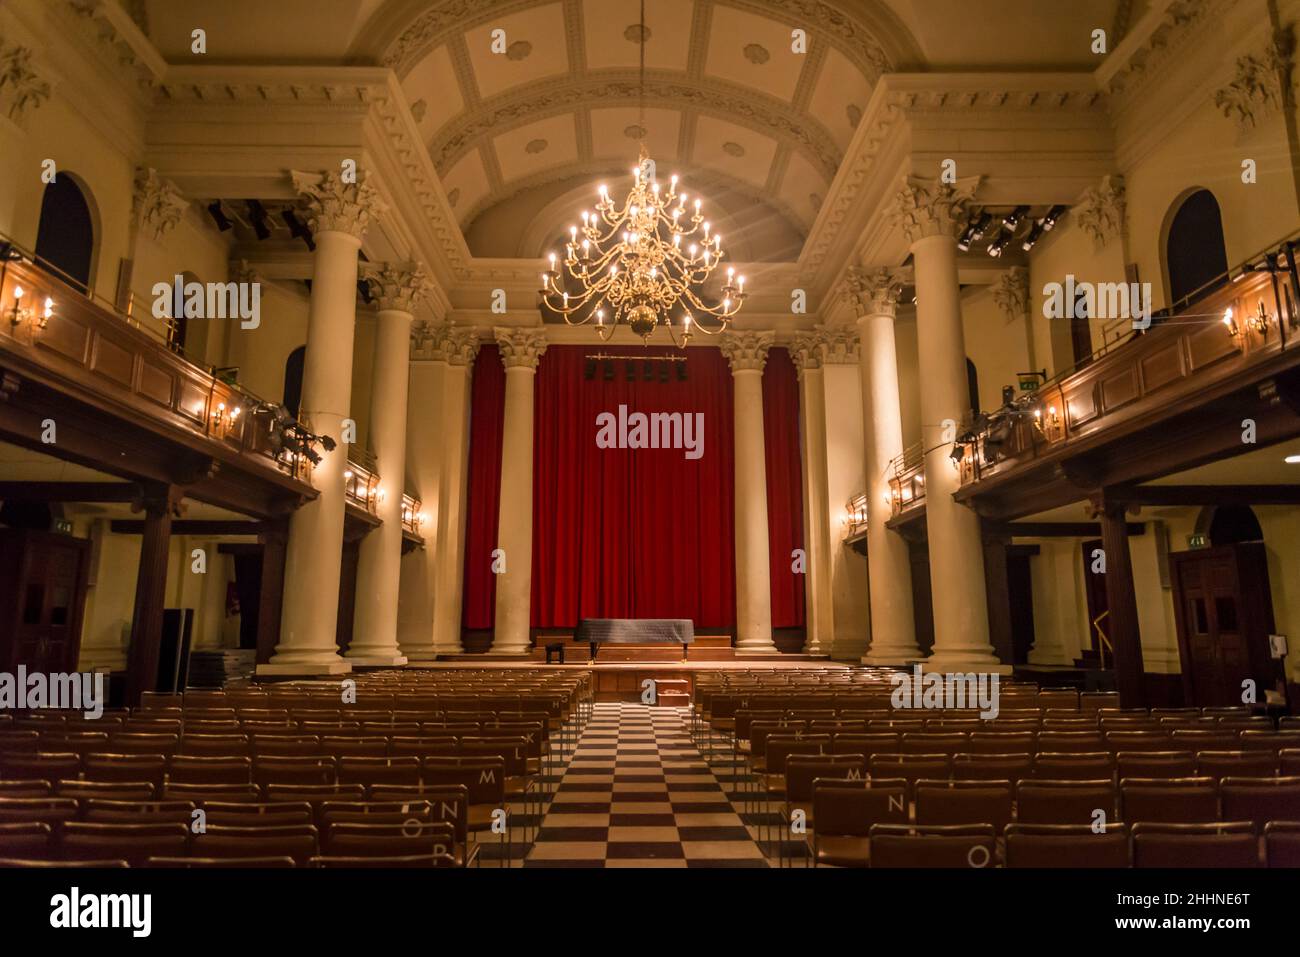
1199, 540
63, 526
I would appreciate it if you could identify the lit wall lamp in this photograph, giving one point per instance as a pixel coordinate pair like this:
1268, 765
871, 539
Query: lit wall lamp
1260, 321
1052, 421
18, 315
223, 421
1230, 322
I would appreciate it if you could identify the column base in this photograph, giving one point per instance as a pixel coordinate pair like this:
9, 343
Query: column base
756, 646
816, 648
509, 650
416, 655
304, 669
953, 662
375, 661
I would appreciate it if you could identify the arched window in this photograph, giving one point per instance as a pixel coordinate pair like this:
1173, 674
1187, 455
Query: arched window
1194, 250
65, 238
1233, 524
293, 380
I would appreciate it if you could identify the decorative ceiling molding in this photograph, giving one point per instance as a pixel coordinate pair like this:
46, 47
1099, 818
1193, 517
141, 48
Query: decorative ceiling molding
111, 25
1155, 40
158, 203
705, 181
1011, 293
842, 28
758, 111
21, 86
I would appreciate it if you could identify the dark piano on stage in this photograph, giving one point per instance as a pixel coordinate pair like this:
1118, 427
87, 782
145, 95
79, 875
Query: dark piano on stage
635, 631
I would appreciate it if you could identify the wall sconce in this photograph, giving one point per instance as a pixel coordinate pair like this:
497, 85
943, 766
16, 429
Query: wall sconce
1231, 323
421, 519
1053, 421
223, 421
380, 494
1260, 321
958, 453
18, 314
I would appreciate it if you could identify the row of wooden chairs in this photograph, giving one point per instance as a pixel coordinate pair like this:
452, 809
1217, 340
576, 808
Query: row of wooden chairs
1044, 846
438, 828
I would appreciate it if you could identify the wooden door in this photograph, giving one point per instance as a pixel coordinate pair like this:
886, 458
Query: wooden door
44, 600
1224, 612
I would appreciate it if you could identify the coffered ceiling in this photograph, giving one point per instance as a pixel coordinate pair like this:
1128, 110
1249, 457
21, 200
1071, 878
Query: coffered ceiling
525, 106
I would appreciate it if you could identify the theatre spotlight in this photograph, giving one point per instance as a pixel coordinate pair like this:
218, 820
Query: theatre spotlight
1035, 233
1014, 218
219, 216
1053, 217
999, 245
257, 216
297, 229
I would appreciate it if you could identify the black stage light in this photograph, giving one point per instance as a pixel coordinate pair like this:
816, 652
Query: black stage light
257, 216
1053, 217
1035, 233
219, 215
297, 229
999, 245
1014, 218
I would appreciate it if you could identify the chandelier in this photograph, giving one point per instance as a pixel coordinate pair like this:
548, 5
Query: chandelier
644, 261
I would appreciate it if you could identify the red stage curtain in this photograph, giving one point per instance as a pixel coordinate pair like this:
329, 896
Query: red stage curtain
631, 533
784, 486
487, 420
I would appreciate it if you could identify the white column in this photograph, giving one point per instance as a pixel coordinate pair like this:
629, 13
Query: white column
339, 215
415, 622
931, 213
460, 346
747, 354
23, 89
818, 596
374, 624
889, 570
521, 349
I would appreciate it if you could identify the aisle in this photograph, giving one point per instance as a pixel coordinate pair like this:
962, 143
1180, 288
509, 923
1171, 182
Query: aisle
638, 794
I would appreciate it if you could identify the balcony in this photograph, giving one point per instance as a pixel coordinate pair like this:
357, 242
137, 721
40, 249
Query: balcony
1149, 403
127, 402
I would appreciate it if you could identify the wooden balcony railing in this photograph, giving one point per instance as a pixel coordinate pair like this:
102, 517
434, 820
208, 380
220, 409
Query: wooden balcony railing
855, 517
361, 484
1209, 342
51, 329
907, 479
413, 519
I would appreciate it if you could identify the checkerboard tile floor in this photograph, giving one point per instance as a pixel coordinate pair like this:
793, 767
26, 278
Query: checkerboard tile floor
636, 793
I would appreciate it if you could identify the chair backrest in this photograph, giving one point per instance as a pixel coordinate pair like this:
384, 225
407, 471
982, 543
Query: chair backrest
992, 767
215, 745
1288, 760
209, 769
257, 863
296, 793
1187, 800
1155, 764
138, 812
368, 771
1000, 742
963, 803
1282, 844
932, 742
779, 747
1252, 740
801, 770
1117, 741
294, 770
1065, 802
25, 838
484, 779
1039, 845
142, 742
286, 745
1242, 764
1231, 844
894, 845
865, 743
296, 841
39, 766
258, 813
1071, 742
1260, 800
911, 767
408, 839
107, 790
1075, 766
849, 808
133, 843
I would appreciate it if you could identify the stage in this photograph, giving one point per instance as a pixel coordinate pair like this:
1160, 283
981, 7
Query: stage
625, 680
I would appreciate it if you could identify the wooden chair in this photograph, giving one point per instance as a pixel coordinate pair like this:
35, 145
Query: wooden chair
961, 846
1067, 846
1227, 845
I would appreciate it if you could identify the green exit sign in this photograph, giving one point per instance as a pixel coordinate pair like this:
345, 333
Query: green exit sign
1198, 540
63, 526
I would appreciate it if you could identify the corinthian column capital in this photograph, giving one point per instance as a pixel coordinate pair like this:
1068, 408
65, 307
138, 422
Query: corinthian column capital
397, 286
805, 350
334, 205
926, 207
520, 348
746, 351
839, 345
875, 292
461, 344
158, 203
